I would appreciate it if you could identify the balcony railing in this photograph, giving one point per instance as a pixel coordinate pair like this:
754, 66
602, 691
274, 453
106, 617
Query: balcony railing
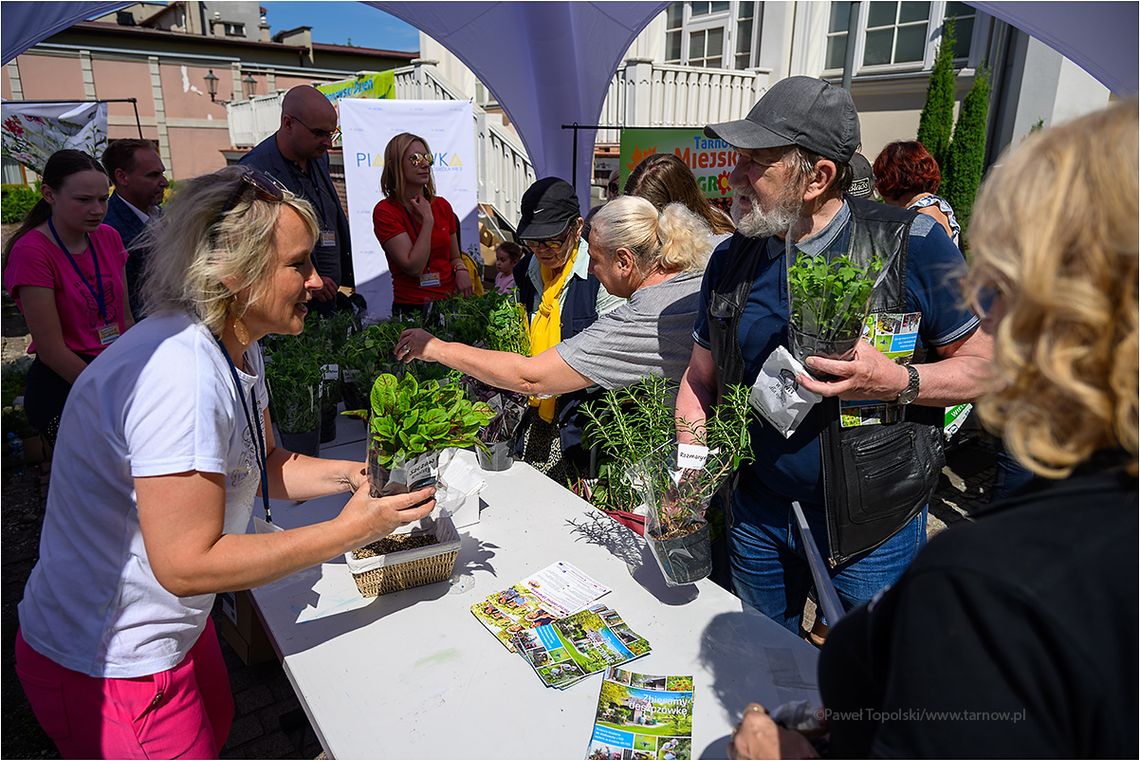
647, 94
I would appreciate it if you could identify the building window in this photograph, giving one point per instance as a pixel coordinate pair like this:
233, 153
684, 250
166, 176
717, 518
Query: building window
837, 29
896, 33
674, 32
713, 34
233, 30
963, 16
899, 35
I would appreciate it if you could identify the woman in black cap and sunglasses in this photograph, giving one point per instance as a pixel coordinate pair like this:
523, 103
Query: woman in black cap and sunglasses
164, 443
417, 229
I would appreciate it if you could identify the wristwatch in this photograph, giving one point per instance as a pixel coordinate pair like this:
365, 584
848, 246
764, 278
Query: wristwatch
910, 393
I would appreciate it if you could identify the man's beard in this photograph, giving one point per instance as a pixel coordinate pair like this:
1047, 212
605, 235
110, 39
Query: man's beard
758, 223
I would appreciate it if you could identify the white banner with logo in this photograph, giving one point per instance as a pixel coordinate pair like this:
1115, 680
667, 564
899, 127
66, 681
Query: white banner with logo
34, 131
367, 126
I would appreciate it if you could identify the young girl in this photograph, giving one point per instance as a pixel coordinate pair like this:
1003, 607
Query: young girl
66, 273
507, 255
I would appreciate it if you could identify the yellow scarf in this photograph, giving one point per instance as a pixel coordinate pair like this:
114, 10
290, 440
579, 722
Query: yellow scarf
546, 324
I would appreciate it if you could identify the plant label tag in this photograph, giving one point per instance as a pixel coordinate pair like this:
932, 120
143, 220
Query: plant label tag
429, 279
691, 456
108, 334
778, 396
330, 372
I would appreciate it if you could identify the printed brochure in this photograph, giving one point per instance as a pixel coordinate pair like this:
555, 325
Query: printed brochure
643, 716
896, 335
585, 643
554, 592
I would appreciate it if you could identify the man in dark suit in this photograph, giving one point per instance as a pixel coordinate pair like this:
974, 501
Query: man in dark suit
297, 156
137, 172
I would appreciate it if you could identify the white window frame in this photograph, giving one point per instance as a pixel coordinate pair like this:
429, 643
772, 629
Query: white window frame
937, 11
727, 21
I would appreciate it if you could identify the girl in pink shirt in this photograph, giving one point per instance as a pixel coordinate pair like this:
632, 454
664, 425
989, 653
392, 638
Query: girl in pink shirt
66, 273
507, 255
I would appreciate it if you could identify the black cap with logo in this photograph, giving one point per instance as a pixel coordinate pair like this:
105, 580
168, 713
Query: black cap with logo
548, 208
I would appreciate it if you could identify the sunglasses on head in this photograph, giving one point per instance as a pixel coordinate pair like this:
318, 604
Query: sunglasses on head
264, 185
421, 159
319, 134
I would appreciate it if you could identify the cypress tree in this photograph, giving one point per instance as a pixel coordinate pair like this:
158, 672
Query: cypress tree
968, 150
937, 119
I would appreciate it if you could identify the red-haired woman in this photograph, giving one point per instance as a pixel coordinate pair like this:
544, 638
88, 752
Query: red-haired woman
906, 175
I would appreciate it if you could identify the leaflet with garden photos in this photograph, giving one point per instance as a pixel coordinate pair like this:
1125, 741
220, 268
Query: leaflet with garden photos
554, 592
643, 716
574, 647
895, 334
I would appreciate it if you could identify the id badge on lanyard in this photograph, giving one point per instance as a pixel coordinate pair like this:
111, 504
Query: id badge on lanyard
108, 333
429, 279
327, 239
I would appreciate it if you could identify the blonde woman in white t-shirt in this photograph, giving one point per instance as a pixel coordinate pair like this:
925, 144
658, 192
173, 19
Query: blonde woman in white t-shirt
163, 446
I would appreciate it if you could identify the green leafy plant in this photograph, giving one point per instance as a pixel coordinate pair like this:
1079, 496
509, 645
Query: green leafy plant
16, 201
409, 418
293, 373
829, 298
506, 325
937, 118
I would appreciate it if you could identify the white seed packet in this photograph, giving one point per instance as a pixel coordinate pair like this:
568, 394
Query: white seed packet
778, 396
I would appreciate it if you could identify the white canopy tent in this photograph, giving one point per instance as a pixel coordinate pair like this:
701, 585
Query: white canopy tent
549, 63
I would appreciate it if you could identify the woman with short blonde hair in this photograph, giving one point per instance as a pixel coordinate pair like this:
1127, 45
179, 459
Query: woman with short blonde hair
166, 440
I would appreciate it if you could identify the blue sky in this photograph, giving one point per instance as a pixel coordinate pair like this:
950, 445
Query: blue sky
338, 22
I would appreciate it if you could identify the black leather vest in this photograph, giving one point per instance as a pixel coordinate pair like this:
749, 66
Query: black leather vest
876, 477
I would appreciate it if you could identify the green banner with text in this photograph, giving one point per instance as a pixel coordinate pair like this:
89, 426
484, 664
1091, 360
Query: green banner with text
380, 84
710, 159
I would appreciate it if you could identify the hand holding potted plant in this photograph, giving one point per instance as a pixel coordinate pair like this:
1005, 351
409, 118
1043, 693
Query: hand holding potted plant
410, 423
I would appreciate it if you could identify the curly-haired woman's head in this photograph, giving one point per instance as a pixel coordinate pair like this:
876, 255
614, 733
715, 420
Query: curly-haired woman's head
630, 240
1057, 270
407, 161
663, 178
217, 238
905, 169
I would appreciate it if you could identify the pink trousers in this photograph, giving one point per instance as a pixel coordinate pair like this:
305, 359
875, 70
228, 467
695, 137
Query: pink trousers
184, 712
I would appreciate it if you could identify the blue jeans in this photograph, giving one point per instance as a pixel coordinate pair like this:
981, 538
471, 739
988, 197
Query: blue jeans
770, 570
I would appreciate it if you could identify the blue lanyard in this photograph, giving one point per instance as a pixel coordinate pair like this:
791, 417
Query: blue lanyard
255, 430
96, 292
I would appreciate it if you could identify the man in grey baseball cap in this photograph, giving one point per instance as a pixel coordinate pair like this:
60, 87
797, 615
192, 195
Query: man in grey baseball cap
863, 480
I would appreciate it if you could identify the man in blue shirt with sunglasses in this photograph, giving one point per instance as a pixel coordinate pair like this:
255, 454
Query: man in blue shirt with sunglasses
296, 155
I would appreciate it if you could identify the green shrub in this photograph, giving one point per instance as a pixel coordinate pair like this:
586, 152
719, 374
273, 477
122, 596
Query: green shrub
15, 202
937, 119
968, 151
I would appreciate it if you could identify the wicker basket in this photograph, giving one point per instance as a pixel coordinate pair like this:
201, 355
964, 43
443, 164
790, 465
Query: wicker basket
408, 568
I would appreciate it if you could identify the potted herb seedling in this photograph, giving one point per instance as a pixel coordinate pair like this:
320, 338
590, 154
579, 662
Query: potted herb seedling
410, 423
829, 298
329, 335
626, 425
678, 484
367, 354
293, 374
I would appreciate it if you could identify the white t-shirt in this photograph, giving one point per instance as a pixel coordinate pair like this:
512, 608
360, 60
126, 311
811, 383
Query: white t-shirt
160, 400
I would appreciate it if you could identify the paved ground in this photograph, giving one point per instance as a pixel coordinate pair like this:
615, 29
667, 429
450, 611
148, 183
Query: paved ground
269, 721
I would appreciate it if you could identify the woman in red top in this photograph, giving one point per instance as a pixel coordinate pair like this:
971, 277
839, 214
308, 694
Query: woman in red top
417, 229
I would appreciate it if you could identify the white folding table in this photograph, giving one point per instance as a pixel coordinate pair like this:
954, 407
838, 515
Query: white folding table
414, 674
